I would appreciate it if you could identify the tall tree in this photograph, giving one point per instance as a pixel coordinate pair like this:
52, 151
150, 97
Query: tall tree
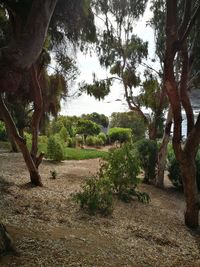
178, 29
29, 22
122, 52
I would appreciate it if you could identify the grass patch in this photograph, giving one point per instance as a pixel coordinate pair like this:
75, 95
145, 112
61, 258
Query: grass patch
69, 153
77, 153
80, 154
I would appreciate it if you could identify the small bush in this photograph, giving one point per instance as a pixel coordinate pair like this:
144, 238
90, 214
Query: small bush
98, 142
90, 140
103, 137
96, 195
54, 149
117, 175
71, 142
147, 155
64, 134
42, 139
174, 169
122, 168
119, 134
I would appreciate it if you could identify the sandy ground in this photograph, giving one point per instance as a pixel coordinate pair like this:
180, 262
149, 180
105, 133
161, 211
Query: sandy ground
50, 230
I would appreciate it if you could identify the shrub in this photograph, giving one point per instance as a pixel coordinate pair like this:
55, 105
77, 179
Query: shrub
103, 137
64, 134
42, 139
96, 195
54, 149
71, 142
117, 175
122, 169
147, 155
174, 169
119, 134
87, 127
90, 140
98, 141
3, 133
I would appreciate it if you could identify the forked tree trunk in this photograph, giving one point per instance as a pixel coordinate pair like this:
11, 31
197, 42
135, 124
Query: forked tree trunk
34, 174
162, 154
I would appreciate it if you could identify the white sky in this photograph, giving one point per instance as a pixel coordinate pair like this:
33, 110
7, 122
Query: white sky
88, 65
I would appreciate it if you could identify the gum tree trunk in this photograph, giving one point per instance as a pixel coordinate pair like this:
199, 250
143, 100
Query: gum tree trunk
176, 44
162, 154
18, 57
37, 114
34, 174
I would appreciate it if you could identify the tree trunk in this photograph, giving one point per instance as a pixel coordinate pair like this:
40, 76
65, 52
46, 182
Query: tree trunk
162, 154
188, 170
14, 147
38, 106
34, 174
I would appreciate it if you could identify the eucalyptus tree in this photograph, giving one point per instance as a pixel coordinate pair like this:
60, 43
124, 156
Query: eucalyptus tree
29, 22
181, 45
122, 52
157, 22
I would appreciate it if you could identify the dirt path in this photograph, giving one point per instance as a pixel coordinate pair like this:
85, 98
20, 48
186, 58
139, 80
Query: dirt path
50, 230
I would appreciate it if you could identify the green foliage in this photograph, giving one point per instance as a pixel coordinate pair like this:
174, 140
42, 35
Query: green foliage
64, 134
90, 140
99, 89
68, 122
117, 176
98, 142
119, 134
175, 172
147, 155
42, 139
122, 168
71, 142
129, 120
87, 127
103, 137
100, 119
3, 134
54, 149
96, 195
81, 154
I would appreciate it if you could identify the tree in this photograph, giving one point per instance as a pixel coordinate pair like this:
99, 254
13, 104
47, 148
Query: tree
122, 52
18, 56
100, 119
29, 21
178, 29
157, 22
87, 127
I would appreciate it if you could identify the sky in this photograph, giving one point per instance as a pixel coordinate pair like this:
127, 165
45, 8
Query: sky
89, 64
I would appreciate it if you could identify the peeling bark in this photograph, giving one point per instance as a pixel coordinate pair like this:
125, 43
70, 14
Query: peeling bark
162, 154
176, 42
